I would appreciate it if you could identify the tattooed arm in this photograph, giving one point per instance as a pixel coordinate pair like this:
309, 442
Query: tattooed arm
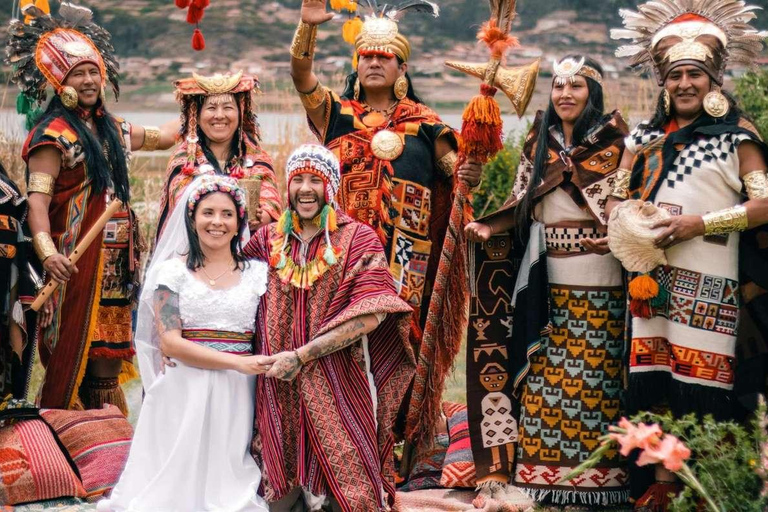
286, 365
168, 320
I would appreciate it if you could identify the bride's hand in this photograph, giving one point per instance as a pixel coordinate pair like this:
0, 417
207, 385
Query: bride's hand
285, 366
254, 365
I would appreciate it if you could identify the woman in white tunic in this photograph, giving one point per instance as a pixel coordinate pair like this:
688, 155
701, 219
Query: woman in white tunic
198, 307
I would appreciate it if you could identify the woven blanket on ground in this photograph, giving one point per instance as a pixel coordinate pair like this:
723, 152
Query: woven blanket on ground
498, 351
32, 465
571, 397
98, 441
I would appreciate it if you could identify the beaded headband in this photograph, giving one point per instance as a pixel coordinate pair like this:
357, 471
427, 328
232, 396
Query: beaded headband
211, 184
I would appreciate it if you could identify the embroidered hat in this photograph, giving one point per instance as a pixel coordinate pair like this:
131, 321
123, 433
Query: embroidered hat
317, 160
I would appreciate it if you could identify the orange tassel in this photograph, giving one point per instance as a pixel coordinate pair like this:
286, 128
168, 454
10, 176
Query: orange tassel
481, 131
643, 287
351, 29
497, 40
198, 41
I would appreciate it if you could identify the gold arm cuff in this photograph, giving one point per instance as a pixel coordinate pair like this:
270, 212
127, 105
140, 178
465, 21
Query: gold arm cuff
726, 221
151, 138
41, 182
621, 183
756, 183
314, 99
447, 163
303, 45
44, 246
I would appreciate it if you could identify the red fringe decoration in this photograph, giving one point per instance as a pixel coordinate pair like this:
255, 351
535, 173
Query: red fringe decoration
194, 15
198, 41
188, 170
481, 130
640, 308
182, 4
496, 40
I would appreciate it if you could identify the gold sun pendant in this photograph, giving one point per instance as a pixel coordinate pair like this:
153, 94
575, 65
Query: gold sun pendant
387, 145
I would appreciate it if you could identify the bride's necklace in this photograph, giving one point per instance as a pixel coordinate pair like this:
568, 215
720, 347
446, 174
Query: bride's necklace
212, 280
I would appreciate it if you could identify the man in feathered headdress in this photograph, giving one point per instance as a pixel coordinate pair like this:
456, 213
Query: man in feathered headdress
77, 159
337, 334
398, 174
703, 161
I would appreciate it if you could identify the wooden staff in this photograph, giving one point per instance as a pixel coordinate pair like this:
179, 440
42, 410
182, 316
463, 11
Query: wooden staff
94, 232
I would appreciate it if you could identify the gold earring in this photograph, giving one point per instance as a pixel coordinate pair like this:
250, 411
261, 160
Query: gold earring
356, 89
401, 87
68, 97
716, 104
667, 101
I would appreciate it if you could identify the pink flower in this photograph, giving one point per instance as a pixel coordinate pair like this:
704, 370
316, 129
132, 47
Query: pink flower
637, 436
670, 451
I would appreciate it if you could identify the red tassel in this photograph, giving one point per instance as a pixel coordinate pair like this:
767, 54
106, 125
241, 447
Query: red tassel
188, 170
194, 15
198, 41
481, 131
182, 4
201, 4
640, 308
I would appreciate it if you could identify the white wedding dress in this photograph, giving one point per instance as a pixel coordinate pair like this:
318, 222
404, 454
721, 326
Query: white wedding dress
191, 449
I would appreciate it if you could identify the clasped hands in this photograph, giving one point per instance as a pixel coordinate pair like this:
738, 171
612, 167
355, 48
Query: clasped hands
283, 365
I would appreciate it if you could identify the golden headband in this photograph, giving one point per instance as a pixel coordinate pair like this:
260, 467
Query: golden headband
382, 35
567, 69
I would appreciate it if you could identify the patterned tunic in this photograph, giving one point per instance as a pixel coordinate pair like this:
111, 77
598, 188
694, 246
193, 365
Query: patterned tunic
94, 308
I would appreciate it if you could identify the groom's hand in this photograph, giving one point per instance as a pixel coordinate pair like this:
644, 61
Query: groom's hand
285, 366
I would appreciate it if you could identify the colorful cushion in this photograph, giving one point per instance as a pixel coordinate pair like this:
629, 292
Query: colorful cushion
428, 470
458, 467
98, 440
32, 466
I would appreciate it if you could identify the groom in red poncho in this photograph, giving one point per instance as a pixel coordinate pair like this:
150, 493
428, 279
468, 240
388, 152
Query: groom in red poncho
337, 334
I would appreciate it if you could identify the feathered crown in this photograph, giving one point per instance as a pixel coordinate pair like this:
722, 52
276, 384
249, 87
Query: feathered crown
379, 32
708, 34
44, 48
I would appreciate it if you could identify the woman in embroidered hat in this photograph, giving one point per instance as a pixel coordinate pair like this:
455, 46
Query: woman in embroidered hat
77, 159
569, 159
337, 336
220, 135
398, 170
700, 159
191, 450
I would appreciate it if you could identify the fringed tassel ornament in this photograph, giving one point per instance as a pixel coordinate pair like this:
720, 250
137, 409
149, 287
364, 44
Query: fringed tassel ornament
481, 129
95, 392
198, 41
644, 293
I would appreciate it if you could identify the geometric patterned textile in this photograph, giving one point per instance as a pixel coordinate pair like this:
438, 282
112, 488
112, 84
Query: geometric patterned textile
428, 468
458, 467
571, 397
703, 150
698, 300
689, 364
222, 341
98, 441
566, 239
32, 467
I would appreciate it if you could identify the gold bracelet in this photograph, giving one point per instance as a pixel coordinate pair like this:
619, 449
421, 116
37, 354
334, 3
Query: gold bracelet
41, 182
447, 163
44, 246
314, 99
726, 221
151, 138
303, 45
621, 183
756, 183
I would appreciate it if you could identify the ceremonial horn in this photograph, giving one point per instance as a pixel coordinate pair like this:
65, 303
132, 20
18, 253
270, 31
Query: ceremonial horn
518, 83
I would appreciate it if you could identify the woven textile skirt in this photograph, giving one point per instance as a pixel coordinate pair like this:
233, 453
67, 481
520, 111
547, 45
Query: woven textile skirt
572, 393
191, 447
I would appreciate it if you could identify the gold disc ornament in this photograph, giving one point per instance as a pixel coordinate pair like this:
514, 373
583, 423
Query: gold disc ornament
387, 145
716, 104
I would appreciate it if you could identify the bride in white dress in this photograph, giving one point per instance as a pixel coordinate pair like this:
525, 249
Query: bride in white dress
190, 452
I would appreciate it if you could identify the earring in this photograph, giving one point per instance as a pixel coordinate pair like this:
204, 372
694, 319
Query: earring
401, 87
356, 89
716, 104
68, 97
667, 101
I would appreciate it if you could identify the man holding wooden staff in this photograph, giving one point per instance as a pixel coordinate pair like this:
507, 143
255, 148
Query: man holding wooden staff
77, 159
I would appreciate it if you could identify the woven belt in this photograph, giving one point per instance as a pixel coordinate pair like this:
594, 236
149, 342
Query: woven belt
238, 343
563, 240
